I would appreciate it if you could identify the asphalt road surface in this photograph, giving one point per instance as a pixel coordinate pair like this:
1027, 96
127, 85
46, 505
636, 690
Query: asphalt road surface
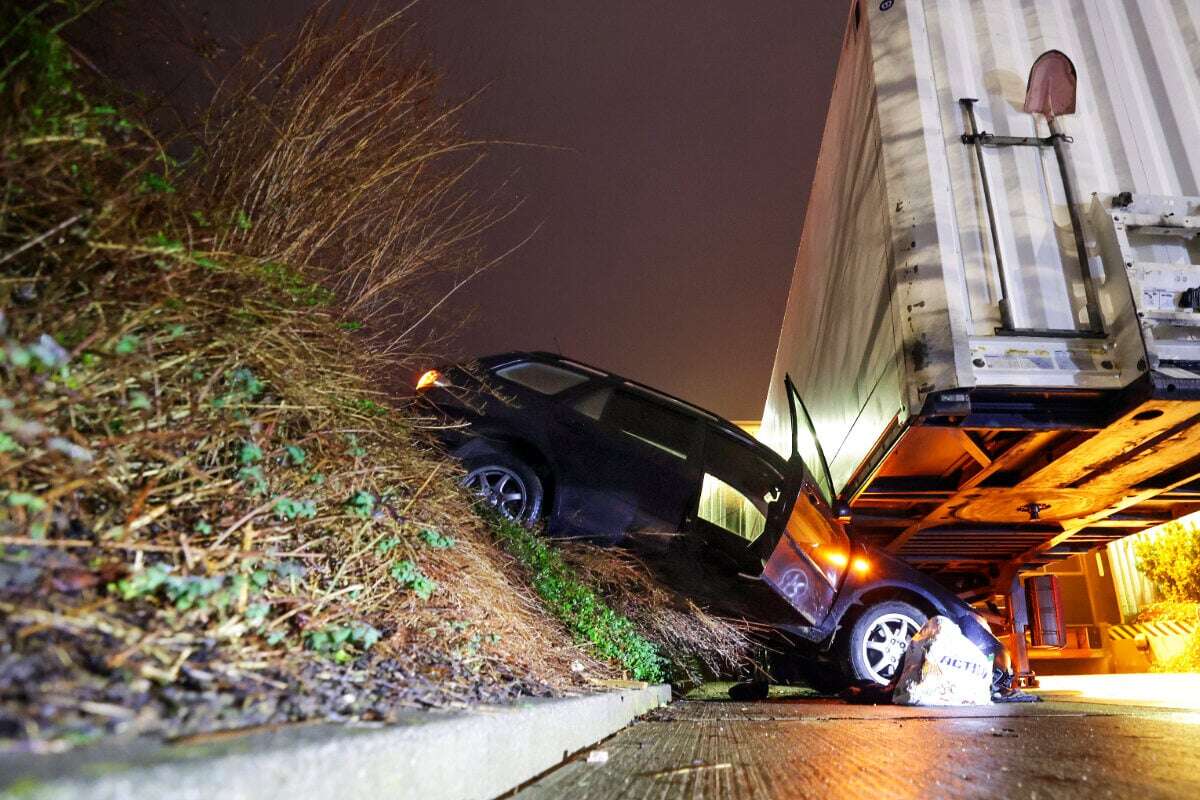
818, 748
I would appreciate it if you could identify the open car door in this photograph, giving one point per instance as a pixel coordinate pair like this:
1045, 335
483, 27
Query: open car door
810, 551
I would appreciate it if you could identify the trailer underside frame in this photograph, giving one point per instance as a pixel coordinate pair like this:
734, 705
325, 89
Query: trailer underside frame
985, 482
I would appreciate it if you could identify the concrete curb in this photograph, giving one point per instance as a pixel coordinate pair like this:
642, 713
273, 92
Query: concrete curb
476, 754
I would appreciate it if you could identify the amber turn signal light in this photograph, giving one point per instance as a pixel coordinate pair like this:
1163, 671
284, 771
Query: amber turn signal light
837, 558
860, 565
429, 378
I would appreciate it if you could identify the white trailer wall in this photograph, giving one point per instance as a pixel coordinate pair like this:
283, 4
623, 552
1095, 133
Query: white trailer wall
839, 319
896, 288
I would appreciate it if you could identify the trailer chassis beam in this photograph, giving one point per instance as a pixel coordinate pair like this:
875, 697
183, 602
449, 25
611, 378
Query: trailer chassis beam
1023, 447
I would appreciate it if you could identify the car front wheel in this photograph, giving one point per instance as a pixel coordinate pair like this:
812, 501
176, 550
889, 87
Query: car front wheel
508, 485
879, 637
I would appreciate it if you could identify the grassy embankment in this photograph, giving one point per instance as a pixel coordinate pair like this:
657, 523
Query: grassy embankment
209, 515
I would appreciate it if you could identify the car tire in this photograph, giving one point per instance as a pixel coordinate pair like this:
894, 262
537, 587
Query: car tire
878, 637
507, 484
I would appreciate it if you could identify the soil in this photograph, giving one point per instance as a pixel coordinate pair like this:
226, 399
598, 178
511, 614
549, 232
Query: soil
65, 683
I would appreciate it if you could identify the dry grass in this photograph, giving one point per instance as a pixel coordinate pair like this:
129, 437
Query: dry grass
356, 169
194, 465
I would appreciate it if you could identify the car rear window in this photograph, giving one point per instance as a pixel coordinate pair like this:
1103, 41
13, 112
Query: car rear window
649, 422
542, 378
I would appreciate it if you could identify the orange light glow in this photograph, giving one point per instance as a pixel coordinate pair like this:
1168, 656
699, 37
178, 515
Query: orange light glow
860, 565
429, 378
837, 558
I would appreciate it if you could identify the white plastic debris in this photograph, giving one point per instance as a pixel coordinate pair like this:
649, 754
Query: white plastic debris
69, 448
49, 351
943, 668
598, 757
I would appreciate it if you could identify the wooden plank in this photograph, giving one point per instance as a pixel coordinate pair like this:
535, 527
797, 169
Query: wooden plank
973, 449
1168, 452
1118, 441
1129, 500
1018, 452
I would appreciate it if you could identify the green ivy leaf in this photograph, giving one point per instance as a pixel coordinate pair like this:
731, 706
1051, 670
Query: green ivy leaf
361, 504
127, 344
409, 575
436, 539
254, 477
250, 453
26, 500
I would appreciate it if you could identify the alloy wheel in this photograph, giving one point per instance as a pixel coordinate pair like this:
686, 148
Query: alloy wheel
501, 488
885, 643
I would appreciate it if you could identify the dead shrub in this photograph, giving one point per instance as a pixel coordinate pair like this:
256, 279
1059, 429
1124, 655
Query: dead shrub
342, 161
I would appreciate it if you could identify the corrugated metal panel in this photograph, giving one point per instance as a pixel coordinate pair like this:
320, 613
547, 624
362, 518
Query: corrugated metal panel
1134, 130
896, 289
1134, 590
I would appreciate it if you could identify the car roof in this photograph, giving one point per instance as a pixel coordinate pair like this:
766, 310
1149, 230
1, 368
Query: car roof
714, 420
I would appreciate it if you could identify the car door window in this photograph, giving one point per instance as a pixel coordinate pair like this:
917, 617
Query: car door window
806, 444
739, 483
725, 506
592, 404
718, 560
668, 431
630, 461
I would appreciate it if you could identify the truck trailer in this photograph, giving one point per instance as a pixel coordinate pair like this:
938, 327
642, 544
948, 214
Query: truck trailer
994, 319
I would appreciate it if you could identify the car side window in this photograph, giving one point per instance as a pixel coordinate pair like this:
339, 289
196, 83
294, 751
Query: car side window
739, 484
592, 404
641, 419
727, 508
542, 378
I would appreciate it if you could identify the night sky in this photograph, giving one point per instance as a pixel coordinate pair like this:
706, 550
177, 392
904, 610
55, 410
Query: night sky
681, 141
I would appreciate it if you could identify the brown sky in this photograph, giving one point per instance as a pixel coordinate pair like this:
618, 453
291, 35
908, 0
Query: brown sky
670, 220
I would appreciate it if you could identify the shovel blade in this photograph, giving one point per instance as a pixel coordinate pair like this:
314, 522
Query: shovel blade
1051, 88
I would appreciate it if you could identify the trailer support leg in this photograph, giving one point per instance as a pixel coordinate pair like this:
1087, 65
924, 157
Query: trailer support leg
1018, 615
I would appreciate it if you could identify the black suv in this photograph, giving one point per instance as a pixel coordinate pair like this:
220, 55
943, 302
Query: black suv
712, 512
